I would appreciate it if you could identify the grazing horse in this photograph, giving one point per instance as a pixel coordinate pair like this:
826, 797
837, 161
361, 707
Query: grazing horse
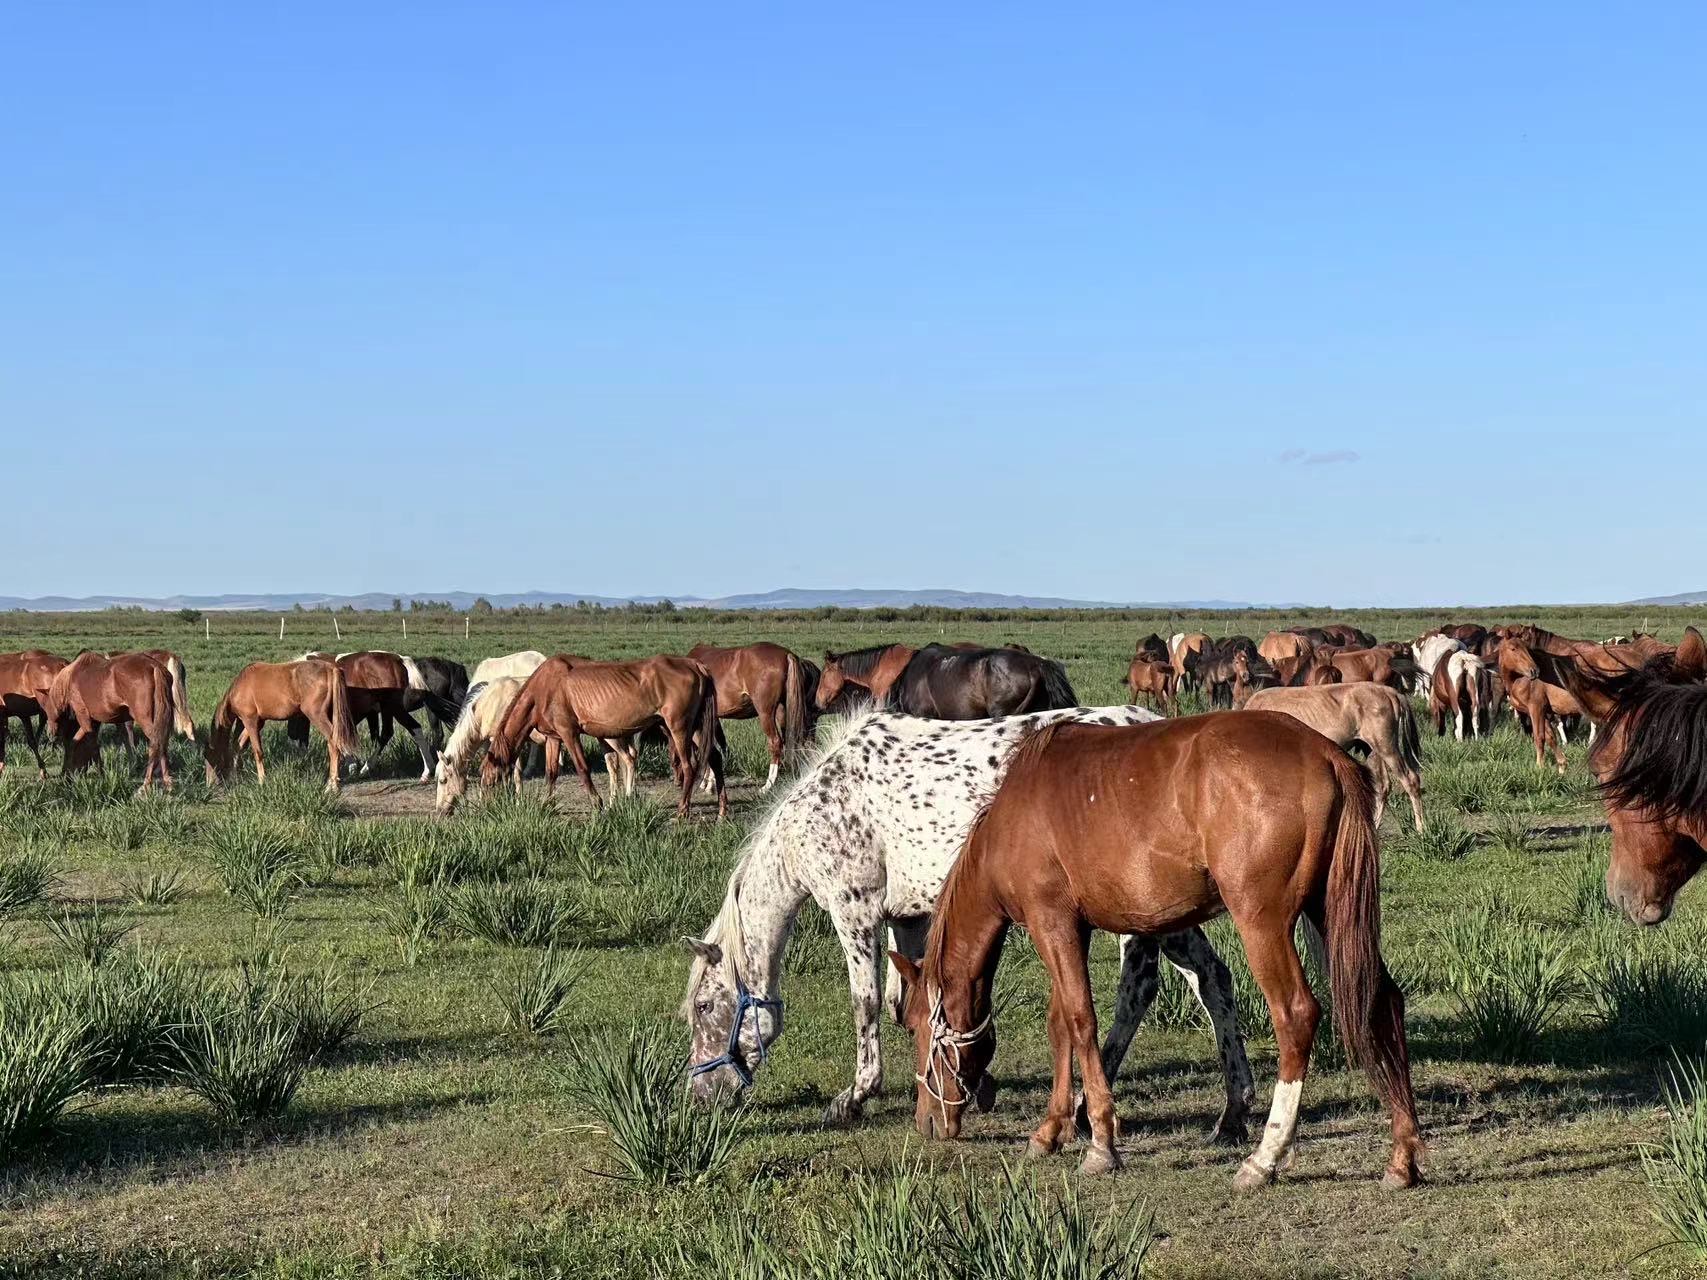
1651, 763
444, 684
383, 687
1151, 828
520, 665
175, 668
24, 681
1428, 652
1459, 688
567, 697
1152, 647
940, 683
761, 680
873, 670
482, 712
1278, 646
1154, 679
95, 689
1185, 650
1379, 718
1312, 667
849, 834
1376, 665
1338, 633
312, 688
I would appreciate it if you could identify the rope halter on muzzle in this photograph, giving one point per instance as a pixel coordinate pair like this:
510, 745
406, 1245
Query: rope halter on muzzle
943, 1061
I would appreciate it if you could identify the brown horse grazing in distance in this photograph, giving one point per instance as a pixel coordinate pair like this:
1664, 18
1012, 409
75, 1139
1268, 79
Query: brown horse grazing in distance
1375, 665
1152, 647
1185, 651
1373, 715
1281, 646
1651, 763
759, 680
24, 681
566, 698
383, 688
1146, 829
1153, 680
93, 690
312, 688
874, 670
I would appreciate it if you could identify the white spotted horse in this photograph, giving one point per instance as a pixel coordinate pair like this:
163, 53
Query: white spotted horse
869, 830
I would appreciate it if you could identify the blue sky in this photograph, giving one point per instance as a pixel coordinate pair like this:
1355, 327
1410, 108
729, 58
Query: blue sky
1353, 304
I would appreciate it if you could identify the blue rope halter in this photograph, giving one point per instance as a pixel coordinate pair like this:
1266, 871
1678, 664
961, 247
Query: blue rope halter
745, 1002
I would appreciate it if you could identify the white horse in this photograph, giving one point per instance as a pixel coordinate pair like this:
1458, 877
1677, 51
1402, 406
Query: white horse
1428, 652
869, 830
482, 711
520, 665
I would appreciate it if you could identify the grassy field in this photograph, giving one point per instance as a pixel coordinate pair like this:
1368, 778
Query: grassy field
438, 1140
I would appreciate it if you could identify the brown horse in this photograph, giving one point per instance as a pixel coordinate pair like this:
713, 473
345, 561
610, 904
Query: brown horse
1153, 680
1144, 830
24, 681
1651, 762
1312, 667
1379, 718
93, 690
383, 688
565, 698
1279, 646
759, 680
1520, 675
311, 688
874, 670
1376, 665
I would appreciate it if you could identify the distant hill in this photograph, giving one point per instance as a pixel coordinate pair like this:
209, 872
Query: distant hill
1687, 597
786, 598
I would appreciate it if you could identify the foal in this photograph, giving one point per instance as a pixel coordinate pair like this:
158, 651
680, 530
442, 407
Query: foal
1148, 829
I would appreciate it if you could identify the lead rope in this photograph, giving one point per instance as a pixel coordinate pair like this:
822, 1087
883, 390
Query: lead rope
945, 1040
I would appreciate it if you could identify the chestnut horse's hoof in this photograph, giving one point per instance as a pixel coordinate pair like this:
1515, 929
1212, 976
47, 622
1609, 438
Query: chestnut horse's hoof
1401, 1179
1252, 1177
1098, 1161
1038, 1150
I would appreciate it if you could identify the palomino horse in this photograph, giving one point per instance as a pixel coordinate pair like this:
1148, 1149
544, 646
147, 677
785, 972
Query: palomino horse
482, 712
1379, 718
311, 688
1459, 688
1151, 828
760, 680
942, 682
849, 834
1152, 679
1651, 762
24, 681
93, 690
383, 687
567, 697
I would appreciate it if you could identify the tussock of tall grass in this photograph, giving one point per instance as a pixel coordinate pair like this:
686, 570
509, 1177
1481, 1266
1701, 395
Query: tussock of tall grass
416, 916
1441, 839
26, 877
45, 1066
534, 998
1585, 889
1675, 1168
154, 887
521, 913
634, 1085
90, 936
915, 1222
1509, 977
256, 859
1651, 998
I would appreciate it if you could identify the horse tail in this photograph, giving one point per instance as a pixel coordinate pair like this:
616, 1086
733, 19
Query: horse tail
159, 726
794, 712
343, 726
1410, 743
180, 697
707, 730
1057, 689
1369, 1008
218, 751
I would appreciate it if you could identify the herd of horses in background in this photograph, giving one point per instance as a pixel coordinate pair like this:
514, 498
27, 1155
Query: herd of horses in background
968, 791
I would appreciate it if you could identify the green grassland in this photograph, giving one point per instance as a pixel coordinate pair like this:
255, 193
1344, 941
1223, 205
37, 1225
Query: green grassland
440, 1141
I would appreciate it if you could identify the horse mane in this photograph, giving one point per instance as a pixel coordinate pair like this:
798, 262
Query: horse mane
1663, 768
861, 662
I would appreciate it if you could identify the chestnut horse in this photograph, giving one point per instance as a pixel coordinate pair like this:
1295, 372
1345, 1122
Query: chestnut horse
567, 697
1153, 679
1278, 646
759, 680
1377, 665
1651, 763
1379, 718
383, 687
93, 690
1147, 829
24, 681
312, 688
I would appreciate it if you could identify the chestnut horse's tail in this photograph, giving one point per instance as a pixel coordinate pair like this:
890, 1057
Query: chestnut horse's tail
180, 697
159, 727
343, 724
707, 730
512, 727
794, 712
218, 751
1369, 1008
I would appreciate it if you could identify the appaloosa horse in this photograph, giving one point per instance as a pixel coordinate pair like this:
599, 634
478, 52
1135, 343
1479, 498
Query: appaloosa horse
24, 681
850, 833
761, 680
1146, 829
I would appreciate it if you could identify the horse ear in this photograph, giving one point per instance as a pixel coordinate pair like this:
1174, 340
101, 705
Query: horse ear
709, 952
1691, 662
905, 966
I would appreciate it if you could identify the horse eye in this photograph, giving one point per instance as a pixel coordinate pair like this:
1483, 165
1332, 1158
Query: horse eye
704, 1006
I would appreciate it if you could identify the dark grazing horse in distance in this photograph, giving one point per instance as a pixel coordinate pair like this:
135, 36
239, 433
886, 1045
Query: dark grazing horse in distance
947, 682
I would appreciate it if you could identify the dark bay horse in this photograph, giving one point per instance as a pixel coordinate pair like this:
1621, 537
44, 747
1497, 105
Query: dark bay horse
567, 697
24, 681
1153, 648
312, 688
1143, 830
948, 682
766, 681
1651, 763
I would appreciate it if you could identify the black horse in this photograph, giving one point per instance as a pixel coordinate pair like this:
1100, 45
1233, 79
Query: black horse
946, 683
1154, 648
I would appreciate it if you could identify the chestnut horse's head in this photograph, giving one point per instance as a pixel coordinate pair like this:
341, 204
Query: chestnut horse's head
832, 680
1651, 763
953, 1063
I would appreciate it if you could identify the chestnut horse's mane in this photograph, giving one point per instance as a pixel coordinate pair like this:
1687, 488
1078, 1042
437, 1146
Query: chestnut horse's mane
861, 662
1663, 767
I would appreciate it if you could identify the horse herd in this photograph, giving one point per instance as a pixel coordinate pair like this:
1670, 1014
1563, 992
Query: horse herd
966, 792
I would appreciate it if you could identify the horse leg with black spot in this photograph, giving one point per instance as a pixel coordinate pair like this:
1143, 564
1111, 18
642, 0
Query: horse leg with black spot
861, 936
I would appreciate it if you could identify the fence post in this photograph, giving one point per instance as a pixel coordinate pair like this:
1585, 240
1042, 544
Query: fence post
281, 626
335, 629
